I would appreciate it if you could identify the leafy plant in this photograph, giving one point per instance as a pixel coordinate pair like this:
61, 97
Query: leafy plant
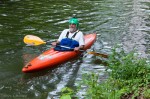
66, 93
129, 76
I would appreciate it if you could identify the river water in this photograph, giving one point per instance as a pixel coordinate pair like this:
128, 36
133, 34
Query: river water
123, 22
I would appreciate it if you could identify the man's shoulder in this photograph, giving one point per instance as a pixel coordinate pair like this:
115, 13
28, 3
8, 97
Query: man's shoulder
65, 30
80, 32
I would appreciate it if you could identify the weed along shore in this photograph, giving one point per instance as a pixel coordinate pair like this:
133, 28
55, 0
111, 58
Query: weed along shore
128, 78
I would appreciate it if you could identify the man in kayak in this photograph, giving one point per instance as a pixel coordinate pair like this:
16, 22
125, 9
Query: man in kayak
70, 39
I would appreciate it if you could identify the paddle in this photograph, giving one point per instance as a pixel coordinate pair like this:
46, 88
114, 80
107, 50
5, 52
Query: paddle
98, 54
35, 40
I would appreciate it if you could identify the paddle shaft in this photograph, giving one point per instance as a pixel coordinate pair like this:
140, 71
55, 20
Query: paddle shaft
35, 40
91, 52
68, 47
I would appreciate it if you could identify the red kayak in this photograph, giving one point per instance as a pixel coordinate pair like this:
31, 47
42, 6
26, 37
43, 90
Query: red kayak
51, 58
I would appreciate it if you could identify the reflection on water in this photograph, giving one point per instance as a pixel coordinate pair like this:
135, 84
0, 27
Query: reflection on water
125, 22
135, 38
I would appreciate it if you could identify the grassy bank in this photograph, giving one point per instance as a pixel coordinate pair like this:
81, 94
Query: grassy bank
129, 78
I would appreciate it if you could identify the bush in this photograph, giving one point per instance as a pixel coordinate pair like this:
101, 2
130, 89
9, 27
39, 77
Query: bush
129, 77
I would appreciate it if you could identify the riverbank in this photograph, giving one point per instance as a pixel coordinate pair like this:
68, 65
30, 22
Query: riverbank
128, 78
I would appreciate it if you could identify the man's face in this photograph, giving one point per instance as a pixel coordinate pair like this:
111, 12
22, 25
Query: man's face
72, 28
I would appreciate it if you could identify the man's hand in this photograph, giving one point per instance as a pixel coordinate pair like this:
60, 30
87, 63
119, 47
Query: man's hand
54, 43
76, 48
79, 48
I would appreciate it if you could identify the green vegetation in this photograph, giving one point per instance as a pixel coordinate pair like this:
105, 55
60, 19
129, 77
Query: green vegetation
129, 78
67, 93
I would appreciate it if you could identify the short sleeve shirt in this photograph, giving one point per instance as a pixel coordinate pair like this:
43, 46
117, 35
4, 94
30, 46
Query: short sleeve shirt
79, 36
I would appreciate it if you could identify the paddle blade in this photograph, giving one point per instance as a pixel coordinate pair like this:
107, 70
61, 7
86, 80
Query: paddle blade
33, 40
98, 54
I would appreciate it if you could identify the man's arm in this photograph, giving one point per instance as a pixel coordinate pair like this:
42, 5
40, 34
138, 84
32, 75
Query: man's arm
79, 48
55, 43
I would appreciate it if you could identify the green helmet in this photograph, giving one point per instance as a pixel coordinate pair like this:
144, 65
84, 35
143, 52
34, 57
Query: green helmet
74, 21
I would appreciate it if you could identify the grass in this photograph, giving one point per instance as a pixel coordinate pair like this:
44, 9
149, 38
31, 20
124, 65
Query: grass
129, 78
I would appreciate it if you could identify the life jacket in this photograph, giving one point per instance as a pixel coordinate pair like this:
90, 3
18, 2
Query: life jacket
67, 44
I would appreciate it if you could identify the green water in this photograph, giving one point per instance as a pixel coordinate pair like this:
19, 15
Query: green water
125, 22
